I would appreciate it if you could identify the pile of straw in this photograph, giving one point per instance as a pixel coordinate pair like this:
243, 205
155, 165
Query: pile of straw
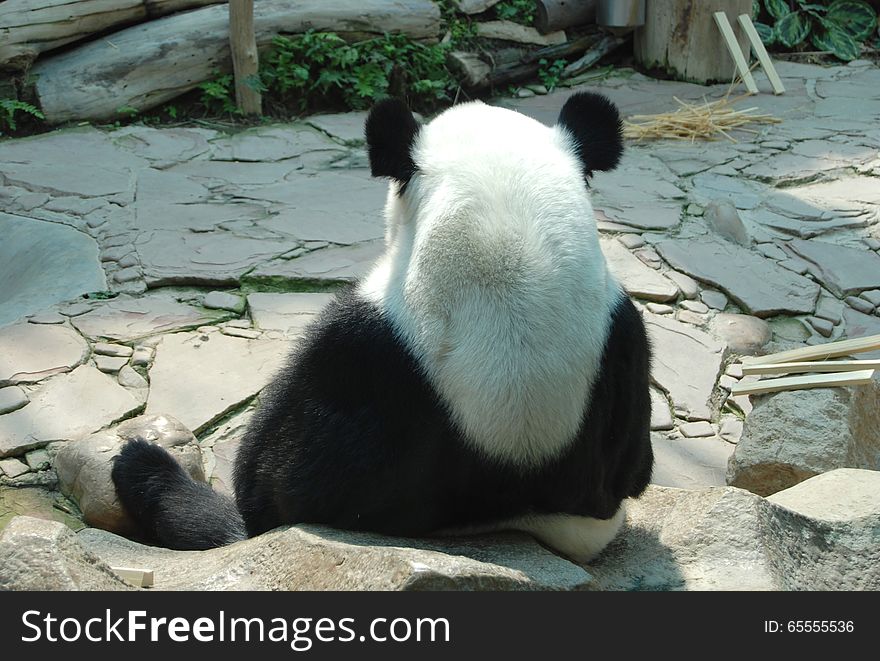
706, 121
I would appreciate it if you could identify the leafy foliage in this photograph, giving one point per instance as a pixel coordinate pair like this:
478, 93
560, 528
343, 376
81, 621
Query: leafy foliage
838, 27
8, 110
550, 73
518, 11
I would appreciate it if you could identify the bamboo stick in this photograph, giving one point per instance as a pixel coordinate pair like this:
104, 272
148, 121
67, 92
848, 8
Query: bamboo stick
140, 578
812, 366
804, 382
818, 352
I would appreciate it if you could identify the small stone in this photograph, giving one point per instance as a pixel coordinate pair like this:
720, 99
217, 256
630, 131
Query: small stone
13, 467
238, 323
115, 350
12, 399
872, 243
859, 304
649, 256
772, 251
872, 296
714, 299
661, 417
127, 275
38, 460
47, 318
830, 309
631, 241
695, 306
743, 333
110, 364
247, 333
727, 382
822, 326
131, 378
796, 265
142, 356
699, 429
221, 300
735, 370
731, 429
76, 309
691, 318
129, 260
115, 253
524, 93
660, 308
723, 219
688, 286
742, 403
695, 210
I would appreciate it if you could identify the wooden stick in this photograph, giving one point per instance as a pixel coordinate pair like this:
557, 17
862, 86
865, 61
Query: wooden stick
245, 60
763, 57
818, 352
803, 382
140, 578
812, 366
733, 46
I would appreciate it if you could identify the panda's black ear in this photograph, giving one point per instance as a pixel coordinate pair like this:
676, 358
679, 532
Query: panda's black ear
595, 124
391, 130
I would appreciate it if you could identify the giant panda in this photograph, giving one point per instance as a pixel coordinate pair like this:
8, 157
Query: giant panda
487, 373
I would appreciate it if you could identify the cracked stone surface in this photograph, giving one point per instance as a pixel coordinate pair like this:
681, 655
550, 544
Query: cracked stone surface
149, 221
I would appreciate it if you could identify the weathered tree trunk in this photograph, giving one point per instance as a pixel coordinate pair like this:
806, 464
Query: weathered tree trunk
552, 15
31, 27
145, 65
681, 38
245, 61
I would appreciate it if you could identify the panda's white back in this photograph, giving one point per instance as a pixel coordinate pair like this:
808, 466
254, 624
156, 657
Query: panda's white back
494, 278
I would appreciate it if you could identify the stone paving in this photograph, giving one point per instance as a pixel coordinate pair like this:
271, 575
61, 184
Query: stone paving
151, 270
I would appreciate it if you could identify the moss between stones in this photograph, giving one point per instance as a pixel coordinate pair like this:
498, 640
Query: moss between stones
281, 284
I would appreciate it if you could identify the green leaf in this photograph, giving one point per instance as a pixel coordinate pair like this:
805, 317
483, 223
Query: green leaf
792, 29
777, 8
756, 9
838, 42
854, 17
767, 34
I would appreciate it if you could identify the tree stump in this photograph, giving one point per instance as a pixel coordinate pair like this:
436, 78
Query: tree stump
680, 37
245, 60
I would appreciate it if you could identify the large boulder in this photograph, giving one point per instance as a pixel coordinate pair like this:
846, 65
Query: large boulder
823, 534
793, 435
84, 466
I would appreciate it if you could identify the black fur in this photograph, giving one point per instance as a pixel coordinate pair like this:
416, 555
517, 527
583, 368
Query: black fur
390, 132
595, 124
173, 510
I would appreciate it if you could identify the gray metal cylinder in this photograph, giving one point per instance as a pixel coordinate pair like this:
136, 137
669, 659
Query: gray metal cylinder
620, 13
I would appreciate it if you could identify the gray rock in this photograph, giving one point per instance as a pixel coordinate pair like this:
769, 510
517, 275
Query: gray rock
859, 304
631, 241
689, 317
84, 466
342, 264
731, 430
743, 334
142, 356
822, 535
822, 326
347, 127
872, 243
30, 353
695, 306
38, 460
316, 558
69, 407
44, 555
44, 263
287, 312
841, 269
271, 143
795, 265
792, 436
124, 319
722, 218
115, 350
13, 467
221, 300
247, 333
131, 378
829, 308
789, 329
772, 251
756, 283
637, 279
661, 416
686, 363
861, 325
872, 296
690, 463
12, 398
221, 373
699, 429
110, 364
714, 299
743, 193
660, 308
48, 317
474, 6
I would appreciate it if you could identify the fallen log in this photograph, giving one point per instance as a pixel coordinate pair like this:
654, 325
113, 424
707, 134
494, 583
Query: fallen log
143, 66
31, 27
552, 15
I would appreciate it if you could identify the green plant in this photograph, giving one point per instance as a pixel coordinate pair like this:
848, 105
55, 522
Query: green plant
9, 108
550, 73
518, 11
839, 27
218, 95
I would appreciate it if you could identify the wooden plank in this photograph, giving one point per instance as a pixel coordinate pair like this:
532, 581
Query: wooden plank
818, 352
812, 366
763, 57
245, 61
140, 578
733, 46
834, 380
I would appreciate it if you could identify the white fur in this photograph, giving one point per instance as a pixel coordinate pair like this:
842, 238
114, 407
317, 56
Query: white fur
494, 278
